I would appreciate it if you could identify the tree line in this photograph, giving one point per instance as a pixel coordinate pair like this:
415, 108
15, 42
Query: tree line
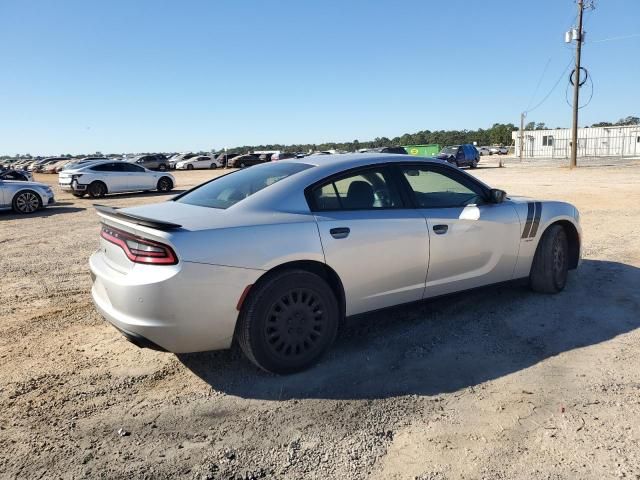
498, 134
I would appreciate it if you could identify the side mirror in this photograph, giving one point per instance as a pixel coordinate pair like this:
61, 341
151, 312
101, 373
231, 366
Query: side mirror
496, 195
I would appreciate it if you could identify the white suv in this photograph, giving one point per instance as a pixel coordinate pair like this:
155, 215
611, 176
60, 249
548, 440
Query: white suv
102, 177
201, 161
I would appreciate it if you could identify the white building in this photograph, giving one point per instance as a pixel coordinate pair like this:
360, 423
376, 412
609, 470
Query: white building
592, 142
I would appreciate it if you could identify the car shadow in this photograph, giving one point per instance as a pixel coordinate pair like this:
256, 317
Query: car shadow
447, 344
57, 209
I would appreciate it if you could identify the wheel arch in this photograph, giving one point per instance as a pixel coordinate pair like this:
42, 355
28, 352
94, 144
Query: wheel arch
26, 189
573, 238
323, 270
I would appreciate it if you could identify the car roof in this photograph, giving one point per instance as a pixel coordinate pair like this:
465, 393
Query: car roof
347, 161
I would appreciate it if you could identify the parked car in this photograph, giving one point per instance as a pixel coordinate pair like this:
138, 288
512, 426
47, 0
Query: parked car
179, 157
24, 196
338, 236
499, 150
200, 161
282, 156
102, 177
152, 162
246, 160
484, 151
82, 161
223, 158
37, 167
55, 167
397, 150
18, 175
460, 155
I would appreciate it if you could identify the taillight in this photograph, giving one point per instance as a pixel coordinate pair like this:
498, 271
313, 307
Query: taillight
139, 250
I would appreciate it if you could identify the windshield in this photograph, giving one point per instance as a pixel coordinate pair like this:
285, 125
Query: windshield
449, 150
228, 190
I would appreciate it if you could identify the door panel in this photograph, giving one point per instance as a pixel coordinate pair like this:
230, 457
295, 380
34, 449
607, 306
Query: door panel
382, 261
479, 246
472, 242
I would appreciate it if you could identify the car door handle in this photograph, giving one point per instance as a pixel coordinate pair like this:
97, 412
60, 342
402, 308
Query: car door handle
440, 229
342, 232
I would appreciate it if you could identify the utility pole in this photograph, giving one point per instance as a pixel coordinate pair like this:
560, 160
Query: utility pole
576, 89
522, 115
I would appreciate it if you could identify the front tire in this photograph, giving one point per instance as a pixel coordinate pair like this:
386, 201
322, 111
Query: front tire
165, 184
26, 202
288, 321
189, 167
97, 190
550, 266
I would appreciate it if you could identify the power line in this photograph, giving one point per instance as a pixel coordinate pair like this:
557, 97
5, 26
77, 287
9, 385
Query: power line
555, 85
623, 37
538, 85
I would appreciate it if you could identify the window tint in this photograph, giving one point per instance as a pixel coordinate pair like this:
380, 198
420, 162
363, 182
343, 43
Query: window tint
130, 167
368, 189
228, 190
434, 189
106, 167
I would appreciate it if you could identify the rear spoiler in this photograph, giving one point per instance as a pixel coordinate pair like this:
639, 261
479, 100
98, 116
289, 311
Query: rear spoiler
111, 212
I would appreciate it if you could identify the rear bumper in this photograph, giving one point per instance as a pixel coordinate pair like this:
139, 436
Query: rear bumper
182, 308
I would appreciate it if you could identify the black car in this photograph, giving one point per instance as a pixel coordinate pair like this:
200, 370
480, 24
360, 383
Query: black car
246, 160
398, 150
11, 174
224, 158
152, 162
460, 155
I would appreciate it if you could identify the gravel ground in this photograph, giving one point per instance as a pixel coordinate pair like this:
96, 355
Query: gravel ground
497, 384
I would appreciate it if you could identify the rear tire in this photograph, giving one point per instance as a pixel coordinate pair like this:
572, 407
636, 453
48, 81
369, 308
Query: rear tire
474, 164
97, 190
213, 166
27, 202
550, 266
288, 321
165, 184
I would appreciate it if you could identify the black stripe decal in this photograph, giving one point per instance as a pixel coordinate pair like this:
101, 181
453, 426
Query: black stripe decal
536, 220
527, 225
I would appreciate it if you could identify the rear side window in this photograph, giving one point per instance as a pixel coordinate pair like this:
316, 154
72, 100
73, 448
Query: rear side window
364, 190
230, 189
106, 167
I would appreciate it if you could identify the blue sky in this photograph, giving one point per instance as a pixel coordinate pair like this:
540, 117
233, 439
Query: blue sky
130, 76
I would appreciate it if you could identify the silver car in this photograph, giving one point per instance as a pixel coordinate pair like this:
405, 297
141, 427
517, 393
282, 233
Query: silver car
24, 197
278, 255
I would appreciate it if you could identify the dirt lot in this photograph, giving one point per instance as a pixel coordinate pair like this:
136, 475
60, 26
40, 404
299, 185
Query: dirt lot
495, 384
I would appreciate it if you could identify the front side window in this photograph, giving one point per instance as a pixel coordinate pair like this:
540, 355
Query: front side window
130, 167
365, 190
230, 189
433, 189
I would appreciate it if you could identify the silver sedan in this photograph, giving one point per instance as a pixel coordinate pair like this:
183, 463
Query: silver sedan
24, 197
280, 254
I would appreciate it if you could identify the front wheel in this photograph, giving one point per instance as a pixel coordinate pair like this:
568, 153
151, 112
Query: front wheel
27, 202
288, 321
97, 190
550, 266
165, 184
189, 167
